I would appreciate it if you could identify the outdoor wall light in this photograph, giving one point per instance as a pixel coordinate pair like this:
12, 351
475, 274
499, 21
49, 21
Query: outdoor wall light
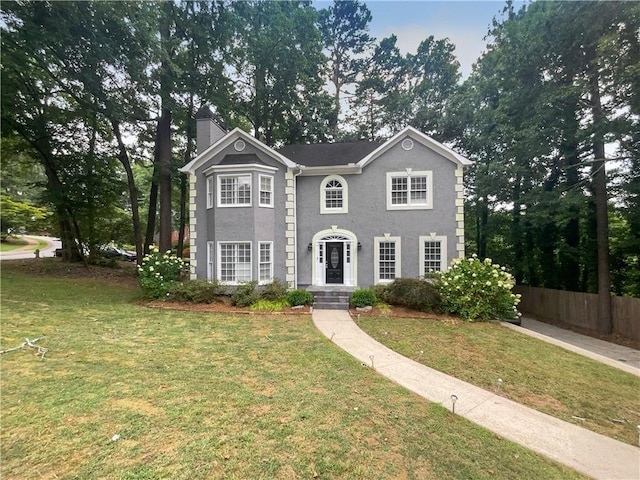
359, 246
310, 247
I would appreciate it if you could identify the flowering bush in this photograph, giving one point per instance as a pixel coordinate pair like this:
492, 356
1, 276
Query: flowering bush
478, 290
158, 272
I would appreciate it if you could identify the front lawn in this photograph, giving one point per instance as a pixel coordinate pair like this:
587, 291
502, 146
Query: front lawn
537, 374
131, 392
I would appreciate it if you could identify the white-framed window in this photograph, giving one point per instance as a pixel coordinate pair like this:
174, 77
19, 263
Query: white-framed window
409, 190
266, 191
433, 254
265, 269
234, 190
210, 191
210, 258
234, 262
334, 195
387, 264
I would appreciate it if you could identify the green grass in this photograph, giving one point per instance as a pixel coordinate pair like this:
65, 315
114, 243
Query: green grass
198, 395
537, 374
13, 243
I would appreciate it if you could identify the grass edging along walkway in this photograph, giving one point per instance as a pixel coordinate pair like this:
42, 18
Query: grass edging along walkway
534, 373
126, 391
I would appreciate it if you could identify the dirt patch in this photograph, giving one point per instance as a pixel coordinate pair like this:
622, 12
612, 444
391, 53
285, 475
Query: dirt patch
124, 274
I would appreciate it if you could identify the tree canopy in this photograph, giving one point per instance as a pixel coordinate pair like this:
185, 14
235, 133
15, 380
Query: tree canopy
100, 98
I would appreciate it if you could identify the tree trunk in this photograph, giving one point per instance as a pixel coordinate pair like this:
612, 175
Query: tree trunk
164, 160
599, 183
123, 157
153, 205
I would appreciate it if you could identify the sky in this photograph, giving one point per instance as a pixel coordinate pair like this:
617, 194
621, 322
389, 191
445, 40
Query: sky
464, 22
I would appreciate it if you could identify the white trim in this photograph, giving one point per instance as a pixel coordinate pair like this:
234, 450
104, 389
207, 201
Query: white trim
247, 167
210, 191
350, 169
409, 174
376, 258
271, 190
236, 191
432, 237
323, 195
318, 267
210, 260
262, 281
227, 141
407, 144
219, 263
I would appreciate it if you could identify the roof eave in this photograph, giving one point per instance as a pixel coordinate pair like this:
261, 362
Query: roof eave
227, 140
351, 169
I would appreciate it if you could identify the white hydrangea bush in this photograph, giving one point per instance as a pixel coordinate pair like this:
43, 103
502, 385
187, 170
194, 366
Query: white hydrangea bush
158, 271
478, 290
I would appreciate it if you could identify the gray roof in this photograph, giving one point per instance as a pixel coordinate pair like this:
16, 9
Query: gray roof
240, 159
328, 154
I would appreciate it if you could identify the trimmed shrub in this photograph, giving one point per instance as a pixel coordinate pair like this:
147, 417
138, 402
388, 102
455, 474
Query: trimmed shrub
478, 290
413, 293
364, 297
275, 291
196, 291
158, 272
245, 294
299, 297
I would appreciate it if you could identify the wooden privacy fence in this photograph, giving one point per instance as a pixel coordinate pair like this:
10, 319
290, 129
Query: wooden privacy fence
580, 309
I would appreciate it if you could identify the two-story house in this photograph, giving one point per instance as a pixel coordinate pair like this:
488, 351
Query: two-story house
326, 215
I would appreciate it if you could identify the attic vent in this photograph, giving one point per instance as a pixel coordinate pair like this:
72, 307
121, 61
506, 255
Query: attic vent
239, 145
407, 144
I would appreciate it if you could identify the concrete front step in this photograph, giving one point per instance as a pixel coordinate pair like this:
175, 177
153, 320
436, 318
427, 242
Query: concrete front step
331, 300
330, 305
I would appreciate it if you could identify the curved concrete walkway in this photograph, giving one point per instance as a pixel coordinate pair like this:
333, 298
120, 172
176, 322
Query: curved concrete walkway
587, 452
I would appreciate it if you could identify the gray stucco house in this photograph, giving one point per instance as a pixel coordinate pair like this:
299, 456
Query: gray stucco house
340, 215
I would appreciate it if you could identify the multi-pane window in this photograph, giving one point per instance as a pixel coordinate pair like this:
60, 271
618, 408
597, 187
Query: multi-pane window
418, 190
333, 195
432, 256
399, 189
266, 191
266, 262
387, 258
409, 190
234, 262
234, 190
210, 191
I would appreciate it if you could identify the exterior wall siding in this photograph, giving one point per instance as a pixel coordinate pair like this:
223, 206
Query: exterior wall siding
234, 224
368, 216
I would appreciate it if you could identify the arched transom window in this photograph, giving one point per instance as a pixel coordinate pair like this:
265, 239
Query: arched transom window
333, 195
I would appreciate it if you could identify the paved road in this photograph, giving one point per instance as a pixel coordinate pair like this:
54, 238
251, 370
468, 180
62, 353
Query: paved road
28, 251
624, 358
